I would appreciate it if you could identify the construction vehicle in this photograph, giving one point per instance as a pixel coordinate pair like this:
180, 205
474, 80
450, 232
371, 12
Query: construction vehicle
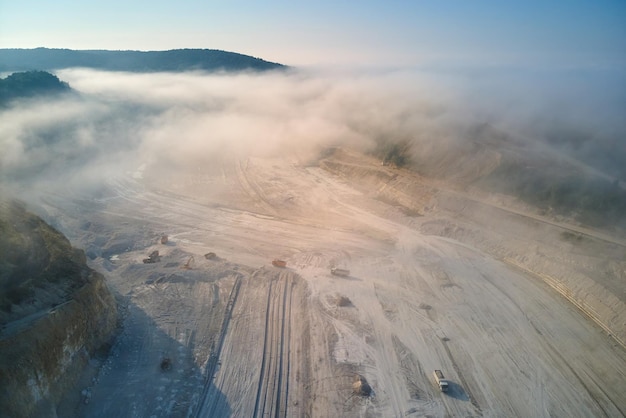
154, 257
441, 380
339, 272
279, 263
189, 264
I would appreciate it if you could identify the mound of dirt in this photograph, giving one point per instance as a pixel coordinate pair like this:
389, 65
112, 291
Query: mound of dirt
343, 301
360, 386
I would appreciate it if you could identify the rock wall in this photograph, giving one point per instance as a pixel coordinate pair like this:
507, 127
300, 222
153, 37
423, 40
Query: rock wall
43, 351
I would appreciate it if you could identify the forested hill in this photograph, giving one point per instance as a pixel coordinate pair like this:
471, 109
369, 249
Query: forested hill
30, 84
135, 61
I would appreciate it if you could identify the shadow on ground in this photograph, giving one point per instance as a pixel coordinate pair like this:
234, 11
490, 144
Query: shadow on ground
456, 391
146, 373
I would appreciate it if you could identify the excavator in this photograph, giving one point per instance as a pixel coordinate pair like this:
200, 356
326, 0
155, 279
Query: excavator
189, 264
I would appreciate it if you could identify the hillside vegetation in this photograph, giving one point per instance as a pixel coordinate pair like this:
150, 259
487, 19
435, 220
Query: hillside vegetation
30, 84
134, 61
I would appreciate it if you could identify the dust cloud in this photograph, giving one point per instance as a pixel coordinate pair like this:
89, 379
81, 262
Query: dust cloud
121, 121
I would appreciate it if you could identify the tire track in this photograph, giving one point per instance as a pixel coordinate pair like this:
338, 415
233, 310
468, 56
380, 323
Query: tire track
206, 405
288, 346
552, 351
273, 388
266, 338
466, 386
593, 394
251, 189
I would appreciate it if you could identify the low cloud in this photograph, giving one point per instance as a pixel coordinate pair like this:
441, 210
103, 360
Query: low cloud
120, 121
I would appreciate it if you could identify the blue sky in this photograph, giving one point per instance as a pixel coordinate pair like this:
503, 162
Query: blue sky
535, 34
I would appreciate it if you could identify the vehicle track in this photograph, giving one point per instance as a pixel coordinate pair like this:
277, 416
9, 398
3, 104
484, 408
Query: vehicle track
594, 391
273, 388
205, 406
252, 189
466, 386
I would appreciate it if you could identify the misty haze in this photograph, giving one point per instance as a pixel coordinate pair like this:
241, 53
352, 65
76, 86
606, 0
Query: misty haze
278, 241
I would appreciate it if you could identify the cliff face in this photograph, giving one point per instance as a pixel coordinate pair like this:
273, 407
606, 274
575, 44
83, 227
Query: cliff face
55, 313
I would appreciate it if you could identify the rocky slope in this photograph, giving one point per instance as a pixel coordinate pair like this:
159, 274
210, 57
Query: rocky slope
558, 178
55, 313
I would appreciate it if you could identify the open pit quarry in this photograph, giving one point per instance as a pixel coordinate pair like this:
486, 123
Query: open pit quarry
525, 316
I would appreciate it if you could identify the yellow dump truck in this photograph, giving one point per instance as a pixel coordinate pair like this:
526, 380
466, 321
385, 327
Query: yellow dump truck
441, 380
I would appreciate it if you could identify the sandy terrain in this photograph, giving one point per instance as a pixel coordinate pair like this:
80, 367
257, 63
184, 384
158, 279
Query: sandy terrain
443, 281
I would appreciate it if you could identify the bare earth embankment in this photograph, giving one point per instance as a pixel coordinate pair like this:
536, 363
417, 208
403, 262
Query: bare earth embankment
438, 280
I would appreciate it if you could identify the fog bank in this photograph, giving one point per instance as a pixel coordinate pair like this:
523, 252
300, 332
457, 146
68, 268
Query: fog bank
121, 121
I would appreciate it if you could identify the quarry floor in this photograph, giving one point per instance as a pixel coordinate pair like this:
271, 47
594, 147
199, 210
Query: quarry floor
430, 287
